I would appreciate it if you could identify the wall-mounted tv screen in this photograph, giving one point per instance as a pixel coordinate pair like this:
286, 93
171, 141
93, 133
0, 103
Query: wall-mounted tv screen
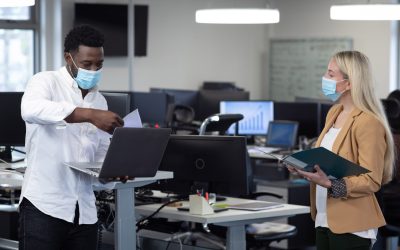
112, 21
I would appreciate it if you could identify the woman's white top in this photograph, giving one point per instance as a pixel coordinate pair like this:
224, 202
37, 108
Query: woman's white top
322, 193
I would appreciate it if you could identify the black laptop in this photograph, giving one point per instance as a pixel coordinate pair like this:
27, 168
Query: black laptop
133, 152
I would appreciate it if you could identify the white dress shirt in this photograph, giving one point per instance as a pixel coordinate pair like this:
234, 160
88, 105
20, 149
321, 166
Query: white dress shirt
322, 193
51, 186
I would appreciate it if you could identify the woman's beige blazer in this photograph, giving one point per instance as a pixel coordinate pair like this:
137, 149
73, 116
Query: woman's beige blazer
361, 140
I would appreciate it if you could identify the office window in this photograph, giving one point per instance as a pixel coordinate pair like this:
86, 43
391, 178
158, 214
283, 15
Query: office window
20, 13
18, 47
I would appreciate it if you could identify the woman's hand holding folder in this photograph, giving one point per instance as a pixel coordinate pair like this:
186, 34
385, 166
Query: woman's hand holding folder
318, 176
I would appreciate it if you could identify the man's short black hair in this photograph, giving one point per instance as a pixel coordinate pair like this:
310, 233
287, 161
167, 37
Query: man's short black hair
83, 35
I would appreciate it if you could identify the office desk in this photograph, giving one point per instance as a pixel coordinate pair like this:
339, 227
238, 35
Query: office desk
234, 220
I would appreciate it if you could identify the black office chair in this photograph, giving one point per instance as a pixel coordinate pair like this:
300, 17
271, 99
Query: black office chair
220, 123
260, 235
183, 120
389, 200
266, 233
389, 195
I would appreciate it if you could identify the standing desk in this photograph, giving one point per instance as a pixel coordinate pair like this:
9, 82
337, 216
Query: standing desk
234, 220
125, 220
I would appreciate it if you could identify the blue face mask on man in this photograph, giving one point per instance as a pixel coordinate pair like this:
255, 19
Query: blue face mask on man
87, 79
329, 88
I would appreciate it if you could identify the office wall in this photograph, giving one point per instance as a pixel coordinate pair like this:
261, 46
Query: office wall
183, 54
310, 19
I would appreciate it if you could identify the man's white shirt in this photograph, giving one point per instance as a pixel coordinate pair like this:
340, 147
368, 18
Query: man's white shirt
51, 186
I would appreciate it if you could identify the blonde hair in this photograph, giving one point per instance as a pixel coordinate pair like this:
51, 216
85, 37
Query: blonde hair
356, 68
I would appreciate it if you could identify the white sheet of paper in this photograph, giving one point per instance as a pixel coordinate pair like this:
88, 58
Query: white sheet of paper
132, 120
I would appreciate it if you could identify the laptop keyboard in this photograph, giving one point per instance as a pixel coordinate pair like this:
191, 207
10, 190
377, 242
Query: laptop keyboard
97, 170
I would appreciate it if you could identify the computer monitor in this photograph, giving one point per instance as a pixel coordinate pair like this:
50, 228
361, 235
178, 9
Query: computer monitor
305, 113
119, 103
155, 109
324, 109
208, 102
257, 115
282, 134
311, 99
204, 165
12, 127
181, 96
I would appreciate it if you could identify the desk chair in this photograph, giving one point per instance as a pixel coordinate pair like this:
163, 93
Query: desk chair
268, 232
389, 195
183, 120
220, 123
260, 239
389, 200
261, 235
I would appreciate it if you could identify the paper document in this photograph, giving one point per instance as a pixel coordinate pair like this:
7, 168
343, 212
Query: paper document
332, 164
256, 205
132, 120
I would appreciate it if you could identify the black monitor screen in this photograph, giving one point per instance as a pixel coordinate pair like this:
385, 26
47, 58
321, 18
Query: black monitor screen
256, 115
213, 163
181, 96
12, 127
306, 114
153, 107
112, 21
325, 107
118, 102
282, 134
208, 102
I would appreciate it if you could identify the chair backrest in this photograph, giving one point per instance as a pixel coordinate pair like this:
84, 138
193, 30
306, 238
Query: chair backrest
392, 109
396, 138
183, 114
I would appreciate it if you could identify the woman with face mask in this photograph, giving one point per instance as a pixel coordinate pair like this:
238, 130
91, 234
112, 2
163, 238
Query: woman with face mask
346, 212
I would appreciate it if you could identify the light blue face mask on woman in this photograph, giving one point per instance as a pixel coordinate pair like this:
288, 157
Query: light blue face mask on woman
87, 79
329, 88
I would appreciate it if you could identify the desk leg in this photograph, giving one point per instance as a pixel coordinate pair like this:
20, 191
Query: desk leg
125, 229
236, 237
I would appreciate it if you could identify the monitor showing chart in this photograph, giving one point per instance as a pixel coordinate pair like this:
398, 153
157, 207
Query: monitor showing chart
257, 115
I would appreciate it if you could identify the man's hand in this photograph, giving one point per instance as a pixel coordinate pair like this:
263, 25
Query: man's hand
102, 119
106, 120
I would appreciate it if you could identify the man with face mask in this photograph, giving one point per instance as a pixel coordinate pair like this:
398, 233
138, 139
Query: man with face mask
66, 120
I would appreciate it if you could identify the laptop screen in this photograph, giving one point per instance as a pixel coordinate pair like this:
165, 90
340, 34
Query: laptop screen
282, 134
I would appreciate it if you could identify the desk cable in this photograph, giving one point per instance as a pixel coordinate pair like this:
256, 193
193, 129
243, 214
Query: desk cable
144, 221
10, 168
5, 162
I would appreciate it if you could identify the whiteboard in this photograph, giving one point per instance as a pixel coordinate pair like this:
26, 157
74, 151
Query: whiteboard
297, 65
